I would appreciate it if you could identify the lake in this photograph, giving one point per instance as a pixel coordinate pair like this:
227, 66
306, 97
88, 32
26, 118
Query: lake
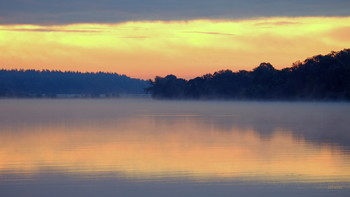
145, 147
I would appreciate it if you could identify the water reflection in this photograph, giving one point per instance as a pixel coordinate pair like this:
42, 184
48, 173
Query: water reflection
149, 140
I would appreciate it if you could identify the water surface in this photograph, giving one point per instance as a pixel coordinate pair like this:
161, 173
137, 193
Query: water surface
142, 147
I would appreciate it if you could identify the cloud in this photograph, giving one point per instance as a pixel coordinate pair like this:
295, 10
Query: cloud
50, 30
50, 12
211, 33
278, 23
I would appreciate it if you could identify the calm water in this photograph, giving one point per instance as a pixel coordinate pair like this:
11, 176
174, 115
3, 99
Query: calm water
141, 147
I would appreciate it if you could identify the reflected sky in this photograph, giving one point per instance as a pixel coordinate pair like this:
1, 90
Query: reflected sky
162, 140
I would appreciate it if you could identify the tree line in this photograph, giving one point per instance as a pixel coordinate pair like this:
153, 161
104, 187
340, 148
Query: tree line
46, 83
322, 77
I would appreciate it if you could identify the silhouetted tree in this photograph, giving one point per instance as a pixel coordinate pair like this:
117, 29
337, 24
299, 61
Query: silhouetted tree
318, 78
32, 83
168, 87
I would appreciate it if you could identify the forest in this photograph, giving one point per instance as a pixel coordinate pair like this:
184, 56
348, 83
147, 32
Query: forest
46, 83
322, 77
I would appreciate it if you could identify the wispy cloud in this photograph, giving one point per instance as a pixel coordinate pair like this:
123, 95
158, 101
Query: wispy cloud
50, 30
211, 33
277, 23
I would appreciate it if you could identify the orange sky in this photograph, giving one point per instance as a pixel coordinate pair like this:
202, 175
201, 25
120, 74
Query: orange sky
184, 48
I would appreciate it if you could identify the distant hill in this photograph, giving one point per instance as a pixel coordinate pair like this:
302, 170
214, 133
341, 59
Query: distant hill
34, 83
318, 78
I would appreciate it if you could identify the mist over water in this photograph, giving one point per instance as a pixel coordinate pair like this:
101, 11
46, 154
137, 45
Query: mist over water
143, 147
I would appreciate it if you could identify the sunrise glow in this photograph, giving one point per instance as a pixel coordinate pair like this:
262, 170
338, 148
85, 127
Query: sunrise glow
184, 48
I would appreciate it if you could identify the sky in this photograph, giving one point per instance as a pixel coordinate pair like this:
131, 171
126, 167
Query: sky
145, 38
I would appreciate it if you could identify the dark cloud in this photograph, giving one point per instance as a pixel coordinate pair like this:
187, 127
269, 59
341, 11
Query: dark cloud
113, 11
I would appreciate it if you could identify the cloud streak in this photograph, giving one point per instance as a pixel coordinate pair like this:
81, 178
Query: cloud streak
278, 23
211, 33
51, 30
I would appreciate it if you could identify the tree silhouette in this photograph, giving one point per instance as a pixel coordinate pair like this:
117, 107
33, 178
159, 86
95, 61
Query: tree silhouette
318, 78
45, 83
168, 87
